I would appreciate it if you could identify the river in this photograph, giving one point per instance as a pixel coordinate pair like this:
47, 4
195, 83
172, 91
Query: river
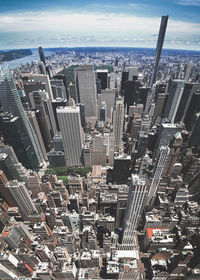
27, 59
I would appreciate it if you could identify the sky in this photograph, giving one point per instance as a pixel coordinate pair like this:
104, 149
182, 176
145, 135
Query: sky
64, 23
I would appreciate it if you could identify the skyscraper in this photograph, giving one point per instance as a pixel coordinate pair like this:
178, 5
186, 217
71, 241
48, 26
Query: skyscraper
189, 89
173, 100
121, 168
41, 54
102, 75
129, 74
175, 146
131, 93
192, 107
161, 37
72, 92
165, 134
107, 96
39, 100
118, 121
10, 165
4, 192
62, 78
33, 120
58, 89
82, 114
143, 135
195, 133
125, 76
135, 204
86, 89
35, 82
159, 105
42, 68
95, 151
188, 71
22, 198
112, 81
14, 134
102, 112
72, 134
109, 137
164, 151
132, 72
57, 103
56, 158
10, 101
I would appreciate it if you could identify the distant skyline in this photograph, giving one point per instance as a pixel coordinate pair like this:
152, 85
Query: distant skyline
29, 24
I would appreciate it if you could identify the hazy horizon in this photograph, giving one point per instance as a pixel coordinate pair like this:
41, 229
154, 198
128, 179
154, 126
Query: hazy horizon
106, 47
83, 23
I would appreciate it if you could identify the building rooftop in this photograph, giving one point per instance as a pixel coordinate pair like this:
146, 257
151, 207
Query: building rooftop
125, 254
68, 109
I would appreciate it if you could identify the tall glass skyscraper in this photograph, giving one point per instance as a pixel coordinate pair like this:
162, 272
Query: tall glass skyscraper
161, 37
41, 54
14, 134
10, 102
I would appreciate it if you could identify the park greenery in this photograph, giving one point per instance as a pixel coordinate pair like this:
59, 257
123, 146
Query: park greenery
64, 171
64, 178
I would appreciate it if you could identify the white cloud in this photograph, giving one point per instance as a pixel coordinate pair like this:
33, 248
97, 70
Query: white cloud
74, 22
68, 26
89, 22
195, 3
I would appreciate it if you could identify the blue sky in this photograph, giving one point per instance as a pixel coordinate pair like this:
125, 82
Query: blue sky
53, 23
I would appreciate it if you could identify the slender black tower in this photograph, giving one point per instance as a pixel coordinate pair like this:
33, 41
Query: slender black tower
161, 37
42, 57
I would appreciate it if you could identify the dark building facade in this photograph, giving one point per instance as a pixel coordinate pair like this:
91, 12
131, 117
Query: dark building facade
161, 36
41, 54
193, 108
103, 77
121, 169
14, 134
55, 104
